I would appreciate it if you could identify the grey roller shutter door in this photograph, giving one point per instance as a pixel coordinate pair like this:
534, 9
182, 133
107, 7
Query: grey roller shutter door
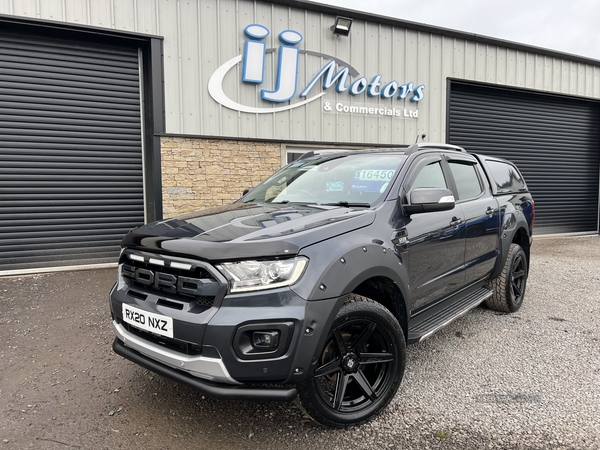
554, 141
70, 151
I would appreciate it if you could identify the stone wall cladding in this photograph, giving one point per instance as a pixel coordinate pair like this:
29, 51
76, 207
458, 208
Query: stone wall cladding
202, 173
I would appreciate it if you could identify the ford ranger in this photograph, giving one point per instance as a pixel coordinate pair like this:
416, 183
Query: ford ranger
313, 282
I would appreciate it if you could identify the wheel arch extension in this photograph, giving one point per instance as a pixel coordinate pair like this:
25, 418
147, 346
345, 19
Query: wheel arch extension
386, 292
521, 237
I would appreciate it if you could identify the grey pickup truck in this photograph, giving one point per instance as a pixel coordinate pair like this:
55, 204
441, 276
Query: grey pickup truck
313, 282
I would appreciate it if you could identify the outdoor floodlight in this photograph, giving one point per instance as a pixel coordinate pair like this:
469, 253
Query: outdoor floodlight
341, 26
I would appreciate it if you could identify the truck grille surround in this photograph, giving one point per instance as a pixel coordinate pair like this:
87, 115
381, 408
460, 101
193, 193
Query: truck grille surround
179, 280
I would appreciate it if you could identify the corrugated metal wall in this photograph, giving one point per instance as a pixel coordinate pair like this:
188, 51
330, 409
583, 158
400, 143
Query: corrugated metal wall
70, 151
200, 35
554, 141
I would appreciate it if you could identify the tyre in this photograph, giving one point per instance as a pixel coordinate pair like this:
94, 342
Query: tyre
360, 367
509, 287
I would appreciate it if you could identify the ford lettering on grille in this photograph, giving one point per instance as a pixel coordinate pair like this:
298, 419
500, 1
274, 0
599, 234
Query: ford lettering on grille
170, 283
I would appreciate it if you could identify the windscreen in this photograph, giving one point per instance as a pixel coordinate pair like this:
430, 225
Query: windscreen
360, 179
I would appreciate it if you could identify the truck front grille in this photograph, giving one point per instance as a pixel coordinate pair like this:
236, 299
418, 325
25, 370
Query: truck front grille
173, 277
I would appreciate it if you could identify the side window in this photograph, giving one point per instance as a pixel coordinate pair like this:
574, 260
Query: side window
430, 176
506, 177
466, 179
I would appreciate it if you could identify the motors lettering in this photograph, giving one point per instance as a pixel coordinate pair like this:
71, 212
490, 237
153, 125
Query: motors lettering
164, 281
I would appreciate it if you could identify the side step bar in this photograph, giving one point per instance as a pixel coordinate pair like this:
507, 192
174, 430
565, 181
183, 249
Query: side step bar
427, 323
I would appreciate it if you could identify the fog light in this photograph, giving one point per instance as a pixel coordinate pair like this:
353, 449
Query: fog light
260, 340
265, 340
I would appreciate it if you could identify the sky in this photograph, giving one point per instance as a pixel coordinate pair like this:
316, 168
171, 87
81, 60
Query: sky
567, 26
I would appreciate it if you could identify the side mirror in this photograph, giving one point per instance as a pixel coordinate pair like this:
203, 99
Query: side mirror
424, 200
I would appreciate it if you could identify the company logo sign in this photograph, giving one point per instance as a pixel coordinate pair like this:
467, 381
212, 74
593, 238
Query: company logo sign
345, 80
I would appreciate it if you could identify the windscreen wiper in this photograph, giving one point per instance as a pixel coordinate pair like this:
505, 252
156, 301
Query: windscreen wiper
285, 202
348, 204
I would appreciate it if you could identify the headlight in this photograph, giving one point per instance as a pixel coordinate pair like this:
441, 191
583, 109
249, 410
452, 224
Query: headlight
246, 276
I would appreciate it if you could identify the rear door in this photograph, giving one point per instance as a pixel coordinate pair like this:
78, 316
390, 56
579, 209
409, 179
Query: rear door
481, 214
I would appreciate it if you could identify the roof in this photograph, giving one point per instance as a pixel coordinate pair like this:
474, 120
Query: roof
375, 18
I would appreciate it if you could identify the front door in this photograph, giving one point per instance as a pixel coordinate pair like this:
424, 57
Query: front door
435, 241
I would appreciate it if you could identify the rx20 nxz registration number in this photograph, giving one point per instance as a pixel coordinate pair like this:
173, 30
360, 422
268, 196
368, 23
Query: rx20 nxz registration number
155, 323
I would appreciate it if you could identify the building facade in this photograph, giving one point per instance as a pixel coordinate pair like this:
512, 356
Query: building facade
117, 112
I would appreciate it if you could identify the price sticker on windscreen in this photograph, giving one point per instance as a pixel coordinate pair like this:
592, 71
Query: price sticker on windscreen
372, 180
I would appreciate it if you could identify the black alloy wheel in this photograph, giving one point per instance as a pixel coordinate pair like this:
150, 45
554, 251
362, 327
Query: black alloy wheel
518, 274
509, 286
360, 367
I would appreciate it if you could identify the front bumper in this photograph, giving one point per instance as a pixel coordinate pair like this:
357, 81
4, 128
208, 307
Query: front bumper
218, 369
226, 392
211, 369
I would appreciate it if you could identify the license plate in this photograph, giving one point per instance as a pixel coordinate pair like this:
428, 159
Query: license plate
155, 323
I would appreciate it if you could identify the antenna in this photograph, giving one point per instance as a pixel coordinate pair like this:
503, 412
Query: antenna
423, 136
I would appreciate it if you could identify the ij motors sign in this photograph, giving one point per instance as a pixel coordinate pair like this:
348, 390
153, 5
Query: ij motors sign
334, 74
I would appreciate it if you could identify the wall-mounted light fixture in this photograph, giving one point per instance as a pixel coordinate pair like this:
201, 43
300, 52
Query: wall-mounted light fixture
342, 25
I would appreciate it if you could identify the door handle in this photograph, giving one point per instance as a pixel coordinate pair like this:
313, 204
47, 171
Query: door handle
456, 221
490, 211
